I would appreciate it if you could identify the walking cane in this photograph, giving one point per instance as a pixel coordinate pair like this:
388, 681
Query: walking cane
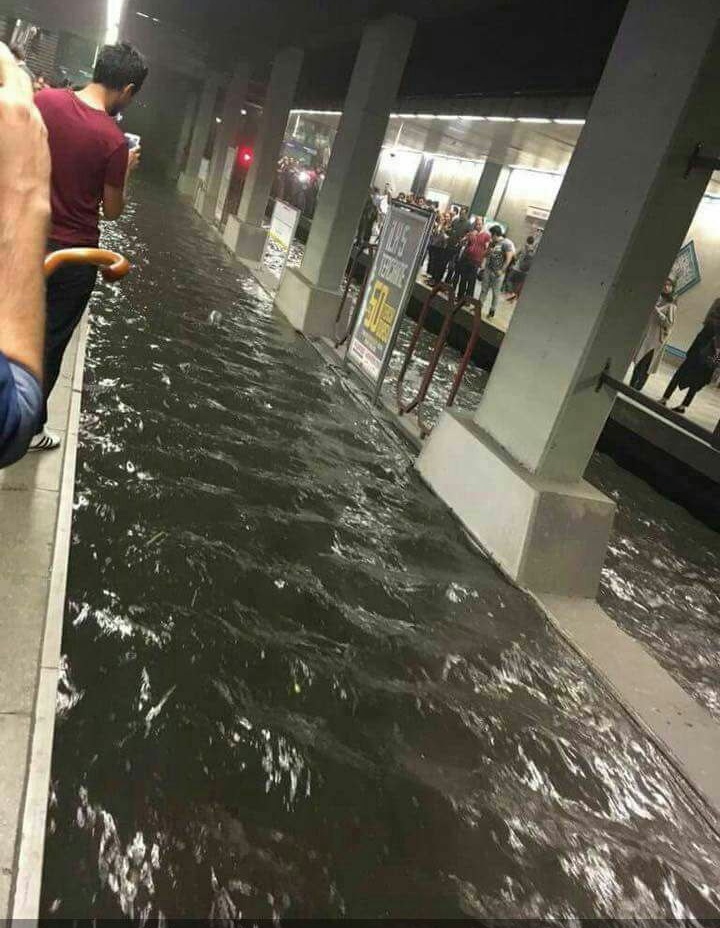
113, 265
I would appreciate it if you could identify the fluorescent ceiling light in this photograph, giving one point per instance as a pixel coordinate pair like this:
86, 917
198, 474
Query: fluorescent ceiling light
570, 122
533, 119
500, 119
521, 167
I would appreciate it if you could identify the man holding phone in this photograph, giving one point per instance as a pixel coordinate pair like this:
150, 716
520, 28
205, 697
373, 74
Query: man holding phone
91, 164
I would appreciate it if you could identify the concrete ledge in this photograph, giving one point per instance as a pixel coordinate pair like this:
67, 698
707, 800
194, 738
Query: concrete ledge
308, 308
186, 184
250, 242
37, 493
547, 536
685, 729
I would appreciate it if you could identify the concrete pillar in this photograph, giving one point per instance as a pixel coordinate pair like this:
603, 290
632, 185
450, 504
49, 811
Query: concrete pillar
309, 295
185, 134
225, 136
433, 141
201, 131
513, 472
487, 185
246, 236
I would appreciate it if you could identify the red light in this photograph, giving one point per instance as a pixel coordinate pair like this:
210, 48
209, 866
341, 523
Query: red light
245, 157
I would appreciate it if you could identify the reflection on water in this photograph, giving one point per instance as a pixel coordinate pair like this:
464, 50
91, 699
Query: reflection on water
661, 581
289, 686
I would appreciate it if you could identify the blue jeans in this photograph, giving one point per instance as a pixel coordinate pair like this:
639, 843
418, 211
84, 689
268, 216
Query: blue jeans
492, 282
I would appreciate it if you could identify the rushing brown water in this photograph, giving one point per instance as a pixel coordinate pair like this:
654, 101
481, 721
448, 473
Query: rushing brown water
290, 687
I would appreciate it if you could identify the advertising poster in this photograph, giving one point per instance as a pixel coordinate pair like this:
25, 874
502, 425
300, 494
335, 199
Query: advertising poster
225, 182
390, 283
279, 239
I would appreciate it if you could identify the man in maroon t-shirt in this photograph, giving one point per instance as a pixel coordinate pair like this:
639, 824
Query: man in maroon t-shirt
90, 166
477, 242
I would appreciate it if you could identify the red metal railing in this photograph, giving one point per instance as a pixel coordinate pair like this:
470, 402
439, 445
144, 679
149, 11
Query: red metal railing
417, 401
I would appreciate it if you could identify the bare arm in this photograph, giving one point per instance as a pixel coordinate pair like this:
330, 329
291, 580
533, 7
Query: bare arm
114, 197
508, 258
24, 215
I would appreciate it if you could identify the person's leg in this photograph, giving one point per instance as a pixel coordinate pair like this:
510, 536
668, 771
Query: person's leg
68, 293
689, 397
641, 371
484, 290
495, 283
671, 387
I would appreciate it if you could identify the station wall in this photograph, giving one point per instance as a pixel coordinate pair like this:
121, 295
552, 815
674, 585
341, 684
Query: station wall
457, 179
693, 305
526, 189
397, 168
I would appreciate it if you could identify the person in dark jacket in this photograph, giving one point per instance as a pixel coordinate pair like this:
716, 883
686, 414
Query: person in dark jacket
702, 358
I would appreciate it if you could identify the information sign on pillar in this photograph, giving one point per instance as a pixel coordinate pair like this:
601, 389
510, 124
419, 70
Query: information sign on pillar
225, 182
390, 282
280, 237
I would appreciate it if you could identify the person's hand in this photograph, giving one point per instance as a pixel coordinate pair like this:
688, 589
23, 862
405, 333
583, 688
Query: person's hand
134, 158
24, 154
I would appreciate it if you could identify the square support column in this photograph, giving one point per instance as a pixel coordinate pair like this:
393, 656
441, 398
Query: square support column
185, 136
201, 131
249, 240
619, 220
227, 130
310, 295
487, 185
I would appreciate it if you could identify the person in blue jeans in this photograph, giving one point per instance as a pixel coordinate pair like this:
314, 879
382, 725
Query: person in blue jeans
24, 216
500, 254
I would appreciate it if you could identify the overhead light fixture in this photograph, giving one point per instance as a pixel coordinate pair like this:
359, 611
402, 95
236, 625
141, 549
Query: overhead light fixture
472, 118
533, 119
243, 112
500, 118
218, 120
521, 167
570, 122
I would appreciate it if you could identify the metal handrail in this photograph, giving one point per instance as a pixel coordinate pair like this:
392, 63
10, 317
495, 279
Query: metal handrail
679, 421
363, 246
416, 402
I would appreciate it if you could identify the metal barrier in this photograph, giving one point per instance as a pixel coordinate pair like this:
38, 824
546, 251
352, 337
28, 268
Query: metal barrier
114, 266
357, 251
438, 348
679, 421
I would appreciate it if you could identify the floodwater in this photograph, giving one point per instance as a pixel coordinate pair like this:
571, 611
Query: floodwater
290, 687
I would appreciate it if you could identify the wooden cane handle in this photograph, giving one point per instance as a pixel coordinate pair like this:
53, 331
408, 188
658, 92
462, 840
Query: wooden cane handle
114, 266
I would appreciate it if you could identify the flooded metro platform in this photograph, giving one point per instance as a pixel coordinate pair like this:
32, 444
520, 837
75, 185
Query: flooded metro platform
290, 686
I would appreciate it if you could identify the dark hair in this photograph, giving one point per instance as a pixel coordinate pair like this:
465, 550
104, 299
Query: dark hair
530, 240
120, 65
495, 230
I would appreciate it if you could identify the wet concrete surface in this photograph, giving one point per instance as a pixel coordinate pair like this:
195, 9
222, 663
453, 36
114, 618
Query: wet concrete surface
290, 686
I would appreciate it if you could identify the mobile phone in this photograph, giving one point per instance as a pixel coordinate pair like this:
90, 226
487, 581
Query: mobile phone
132, 140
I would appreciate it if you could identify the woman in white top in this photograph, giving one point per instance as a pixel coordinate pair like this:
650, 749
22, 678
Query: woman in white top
658, 331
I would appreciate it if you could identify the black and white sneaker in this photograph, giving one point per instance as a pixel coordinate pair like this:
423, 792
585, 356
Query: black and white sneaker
44, 441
